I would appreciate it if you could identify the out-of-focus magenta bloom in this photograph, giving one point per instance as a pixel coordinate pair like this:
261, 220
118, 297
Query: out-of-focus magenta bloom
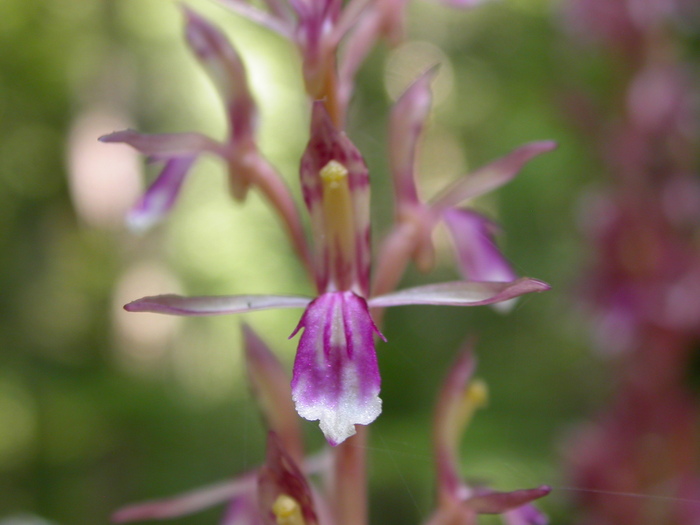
624, 25
644, 287
458, 502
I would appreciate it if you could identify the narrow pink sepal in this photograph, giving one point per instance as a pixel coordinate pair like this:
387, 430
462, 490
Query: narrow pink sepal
226, 70
489, 502
213, 305
406, 124
449, 425
460, 293
164, 145
491, 176
478, 255
336, 377
270, 385
186, 503
359, 42
327, 143
161, 195
279, 24
280, 475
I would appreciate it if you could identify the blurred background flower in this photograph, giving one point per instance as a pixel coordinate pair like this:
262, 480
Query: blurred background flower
99, 408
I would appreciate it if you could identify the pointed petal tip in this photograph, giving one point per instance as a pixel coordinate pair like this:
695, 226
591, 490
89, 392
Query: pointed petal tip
196, 26
537, 285
544, 489
429, 74
187, 11
115, 136
118, 517
139, 305
493, 502
544, 146
140, 222
192, 17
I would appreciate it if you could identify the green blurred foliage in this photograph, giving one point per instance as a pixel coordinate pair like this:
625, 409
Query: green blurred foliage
86, 427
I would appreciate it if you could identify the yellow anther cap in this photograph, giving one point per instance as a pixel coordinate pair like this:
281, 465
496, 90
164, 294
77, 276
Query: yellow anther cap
287, 511
333, 172
477, 394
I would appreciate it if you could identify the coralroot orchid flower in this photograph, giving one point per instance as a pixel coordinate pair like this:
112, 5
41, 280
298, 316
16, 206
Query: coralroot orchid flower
458, 502
411, 237
246, 165
279, 491
336, 378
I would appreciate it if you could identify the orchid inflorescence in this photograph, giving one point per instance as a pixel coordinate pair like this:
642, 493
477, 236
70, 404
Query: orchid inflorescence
643, 289
335, 376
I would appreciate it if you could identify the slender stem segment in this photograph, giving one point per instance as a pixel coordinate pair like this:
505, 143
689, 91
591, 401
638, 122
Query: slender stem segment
350, 479
271, 185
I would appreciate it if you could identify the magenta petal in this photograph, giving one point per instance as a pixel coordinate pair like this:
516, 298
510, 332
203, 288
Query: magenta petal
491, 176
217, 305
278, 24
456, 405
336, 377
161, 196
525, 515
460, 293
187, 503
405, 127
360, 41
479, 257
164, 145
270, 385
226, 70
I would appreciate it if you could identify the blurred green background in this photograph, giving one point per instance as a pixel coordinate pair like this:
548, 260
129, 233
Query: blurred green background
99, 408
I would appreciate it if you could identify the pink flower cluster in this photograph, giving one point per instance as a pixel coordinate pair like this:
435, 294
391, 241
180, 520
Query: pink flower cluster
335, 377
644, 289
